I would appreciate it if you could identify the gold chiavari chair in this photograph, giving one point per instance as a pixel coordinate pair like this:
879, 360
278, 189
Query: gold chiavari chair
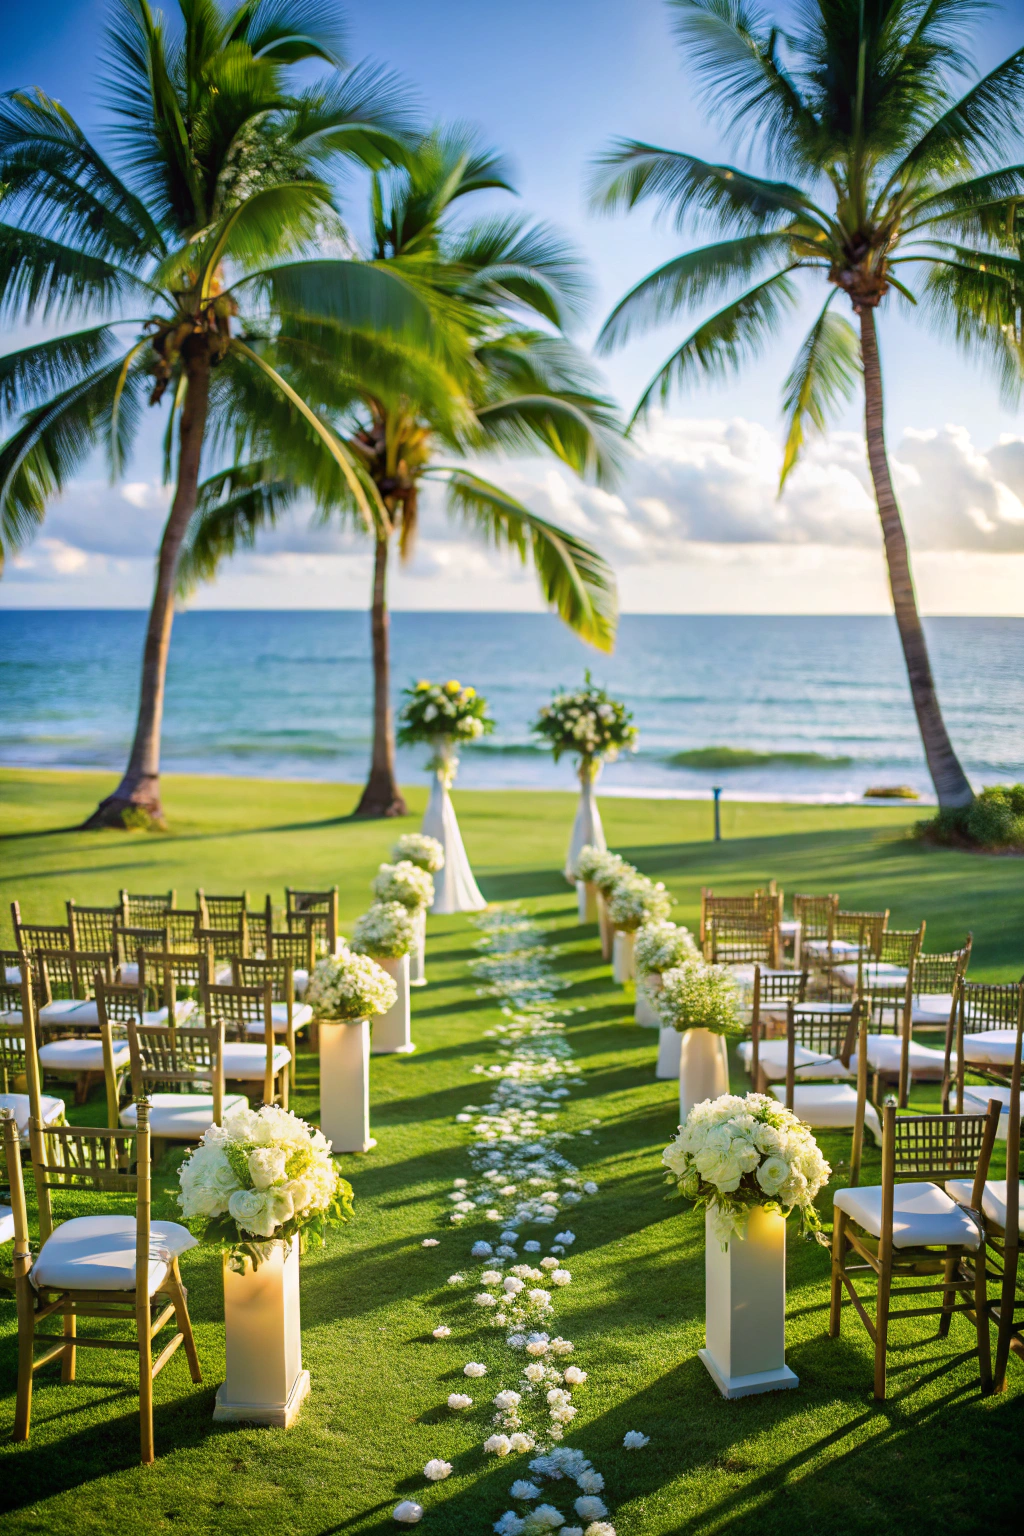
172, 981
982, 1041
92, 929
244, 1013
182, 924
288, 1015
118, 1006
936, 977
28, 937
742, 907
68, 1020
816, 916
129, 941
908, 1227
221, 911
322, 907
298, 947
21, 1092
770, 998
225, 944
741, 941
179, 1069
820, 1063
145, 911
113, 1267
260, 925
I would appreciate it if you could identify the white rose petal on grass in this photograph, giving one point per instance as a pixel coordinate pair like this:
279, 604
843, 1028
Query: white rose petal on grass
481, 1250
560, 1277
474, 1368
408, 1512
497, 1445
459, 1401
442, 1332
506, 1400
522, 1489
522, 1442
590, 1508
455, 1280
430, 1242
546, 1517
437, 1470
633, 1440
590, 1188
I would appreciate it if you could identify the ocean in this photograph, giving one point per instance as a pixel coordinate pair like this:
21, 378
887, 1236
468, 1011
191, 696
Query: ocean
819, 707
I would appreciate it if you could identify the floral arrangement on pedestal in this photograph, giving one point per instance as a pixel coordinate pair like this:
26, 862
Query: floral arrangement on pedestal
263, 1177
405, 882
387, 930
588, 723
350, 986
734, 1153
635, 900
696, 995
598, 866
416, 848
442, 715
662, 946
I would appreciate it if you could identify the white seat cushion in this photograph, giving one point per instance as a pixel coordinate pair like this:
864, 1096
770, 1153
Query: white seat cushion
80, 1055
819, 949
809, 1064
830, 1106
18, 1103
6, 1224
923, 1216
875, 973
73, 1010
780, 1009
97, 1253
128, 974
976, 1097
301, 1015
249, 1062
995, 1046
181, 1116
993, 1200
300, 978
222, 975
12, 975
184, 1008
790, 927
884, 1056
932, 1008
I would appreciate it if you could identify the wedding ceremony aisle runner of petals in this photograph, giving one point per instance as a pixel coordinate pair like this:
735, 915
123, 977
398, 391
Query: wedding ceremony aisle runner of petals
522, 1182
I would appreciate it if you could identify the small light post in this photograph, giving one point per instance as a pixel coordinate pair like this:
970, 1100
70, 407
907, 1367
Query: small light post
716, 790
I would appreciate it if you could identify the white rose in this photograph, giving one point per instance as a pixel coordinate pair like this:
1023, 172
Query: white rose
266, 1166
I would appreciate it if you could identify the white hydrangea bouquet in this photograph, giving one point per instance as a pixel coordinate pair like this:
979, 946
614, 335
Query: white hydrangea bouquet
261, 1178
588, 723
600, 867
405, 882
416, 848
737, 1152
433, 710
350, 986
662, 946
386, 931
696, 995
635, 900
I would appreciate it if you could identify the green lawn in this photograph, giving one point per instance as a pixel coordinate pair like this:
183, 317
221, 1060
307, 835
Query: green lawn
822, 1457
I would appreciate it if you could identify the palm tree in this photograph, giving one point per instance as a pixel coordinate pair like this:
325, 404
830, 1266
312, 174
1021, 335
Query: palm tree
512, 385
179, 265
886, 177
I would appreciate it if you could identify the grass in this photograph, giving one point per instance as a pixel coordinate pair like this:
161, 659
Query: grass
803, 1461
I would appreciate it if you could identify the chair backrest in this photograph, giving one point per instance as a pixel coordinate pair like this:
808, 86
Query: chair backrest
1011, 1228
835, 1037
165, 975
863, 928
145, 911
19, 1049
816, 915
225, 943
297, 946
181, 924
32, 936
117, 1004
12, 1055
255, 973
221, 911
89, 1157
321, 906
772, 986
731, 940
174, 1059
940, 972
935, 1146
70, 973
92, 928
899, 946
129, 940
234, 1008
984, 1005
260, 925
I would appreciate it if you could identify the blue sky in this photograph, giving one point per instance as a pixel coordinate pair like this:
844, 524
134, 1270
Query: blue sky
550, 81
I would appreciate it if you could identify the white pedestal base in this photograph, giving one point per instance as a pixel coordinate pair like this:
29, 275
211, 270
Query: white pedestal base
670, 1043
703, 1068
586, 901
345, 1084
587, 830
418, 953
745, 1307
644, 1012
263, 1342
391, 1031
455, 889
604, 924
622, 956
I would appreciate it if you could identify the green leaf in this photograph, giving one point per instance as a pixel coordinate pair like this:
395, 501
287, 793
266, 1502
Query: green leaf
823, 377
234, 506
52, 366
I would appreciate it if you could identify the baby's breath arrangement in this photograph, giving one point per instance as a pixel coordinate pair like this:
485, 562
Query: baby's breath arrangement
697, 995
387, 930
588, 723
635, 900
350, 986
405, 882
597, 866
662, 946
416, 848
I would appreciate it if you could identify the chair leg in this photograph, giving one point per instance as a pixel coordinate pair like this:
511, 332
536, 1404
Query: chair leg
26, 1357
179, 1296
981, 1319
284, 1079
68, 1359
1007, 1297
949, 1273
838, 1245
882, 1327
142, 1324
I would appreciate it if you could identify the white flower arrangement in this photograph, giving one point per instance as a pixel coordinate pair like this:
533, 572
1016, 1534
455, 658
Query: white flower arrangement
350, 986
697, 995
635, 900
404, 882
433, 710
416, 848
262, 1177
437, 1470
588, 723
737, 1152
387, 930
601, 867
662, 946
633, 1440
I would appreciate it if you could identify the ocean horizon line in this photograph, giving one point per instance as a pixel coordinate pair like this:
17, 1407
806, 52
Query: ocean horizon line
523, 613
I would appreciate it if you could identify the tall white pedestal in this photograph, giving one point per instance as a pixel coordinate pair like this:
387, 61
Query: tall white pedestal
418, 953
587, 830
622, 956
644, 1012
604, 924
455, 889
745, 1308
703, 1068
669, 1045
345, 1084
391, 1030
586, 901
263, 1342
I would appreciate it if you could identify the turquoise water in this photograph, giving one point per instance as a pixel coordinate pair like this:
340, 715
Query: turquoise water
287, 694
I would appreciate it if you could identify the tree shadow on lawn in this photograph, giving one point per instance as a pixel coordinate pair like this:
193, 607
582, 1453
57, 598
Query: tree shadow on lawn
521, 884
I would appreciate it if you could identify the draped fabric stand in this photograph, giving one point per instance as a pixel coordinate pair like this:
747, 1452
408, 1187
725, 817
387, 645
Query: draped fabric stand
587, 828
455, 889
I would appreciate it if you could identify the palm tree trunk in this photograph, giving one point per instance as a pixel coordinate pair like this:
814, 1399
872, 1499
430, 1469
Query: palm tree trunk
951, 784
381, 797
139, 789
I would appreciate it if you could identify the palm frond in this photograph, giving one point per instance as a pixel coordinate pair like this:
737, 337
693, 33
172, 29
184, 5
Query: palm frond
513, 261
574, 579
290, 31
823, 377
365, 114
233, 508
48, 367
981, 124
43, 278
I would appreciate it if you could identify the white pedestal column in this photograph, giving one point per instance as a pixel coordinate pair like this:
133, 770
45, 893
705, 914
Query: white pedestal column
703, 1068
586, 901
622, 956
418, 953
263, 1342
604, 924
455, 888
391, 1030
669, 1045
745, 1308
345, 1084
587, 830
644, 1013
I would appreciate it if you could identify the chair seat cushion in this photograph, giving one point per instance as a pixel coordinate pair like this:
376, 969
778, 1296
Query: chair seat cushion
818, 949
97, 1253
923, 1216
76, 1010
994, 1046
875, 973
809, 1064
884, 1056
830, 1105
80, 1055
775, 1008
932, 1008
128, 973
301, 1015
12, 975
181, 1116
976, 1097
993, 1200
18, 1103
300, 980
249, 1062
6, 1224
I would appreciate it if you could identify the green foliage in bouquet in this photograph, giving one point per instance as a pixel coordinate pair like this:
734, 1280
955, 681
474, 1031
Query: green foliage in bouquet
433, 710
588, 723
